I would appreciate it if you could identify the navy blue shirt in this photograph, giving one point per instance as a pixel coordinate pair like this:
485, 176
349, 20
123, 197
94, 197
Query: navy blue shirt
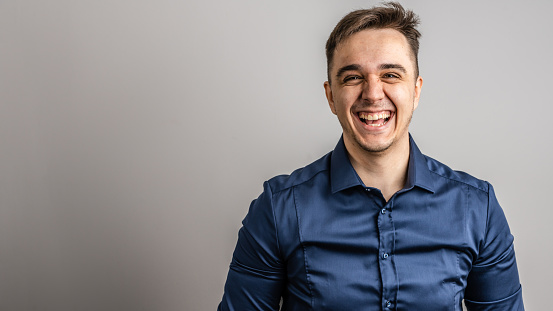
322, 240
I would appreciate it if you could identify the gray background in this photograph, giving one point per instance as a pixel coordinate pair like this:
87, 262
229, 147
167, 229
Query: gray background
134, 134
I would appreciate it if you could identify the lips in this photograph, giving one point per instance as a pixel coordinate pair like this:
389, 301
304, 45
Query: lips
375, 119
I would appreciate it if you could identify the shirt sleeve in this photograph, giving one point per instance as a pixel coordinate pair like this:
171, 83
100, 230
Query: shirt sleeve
493, 283
256, 273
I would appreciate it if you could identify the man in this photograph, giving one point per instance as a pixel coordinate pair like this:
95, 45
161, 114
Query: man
374, 224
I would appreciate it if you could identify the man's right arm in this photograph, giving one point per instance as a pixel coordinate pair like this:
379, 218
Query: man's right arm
257, 273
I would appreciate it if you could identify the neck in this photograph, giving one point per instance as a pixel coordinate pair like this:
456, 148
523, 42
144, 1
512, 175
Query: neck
386, 170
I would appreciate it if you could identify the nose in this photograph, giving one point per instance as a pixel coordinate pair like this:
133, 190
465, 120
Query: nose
372, 90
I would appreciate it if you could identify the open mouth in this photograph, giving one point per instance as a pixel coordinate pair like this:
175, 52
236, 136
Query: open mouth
375, 119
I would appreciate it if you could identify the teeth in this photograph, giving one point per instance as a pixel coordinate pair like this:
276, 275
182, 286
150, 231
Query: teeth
376, 125
374, 117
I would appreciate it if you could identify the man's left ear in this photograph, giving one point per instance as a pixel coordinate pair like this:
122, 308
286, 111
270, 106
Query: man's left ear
418, 87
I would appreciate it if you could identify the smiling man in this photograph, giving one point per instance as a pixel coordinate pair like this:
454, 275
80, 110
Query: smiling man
374, 224
373, 87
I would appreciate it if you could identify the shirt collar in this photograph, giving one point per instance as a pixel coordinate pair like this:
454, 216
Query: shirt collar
418, 173
343, 175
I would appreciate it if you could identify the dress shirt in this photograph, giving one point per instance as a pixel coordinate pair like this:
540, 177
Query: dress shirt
322, 240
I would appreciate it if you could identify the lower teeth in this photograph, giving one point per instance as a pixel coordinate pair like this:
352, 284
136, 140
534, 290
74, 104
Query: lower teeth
374, 125
385, 121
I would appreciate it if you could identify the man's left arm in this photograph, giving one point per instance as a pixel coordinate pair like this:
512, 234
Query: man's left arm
493, 282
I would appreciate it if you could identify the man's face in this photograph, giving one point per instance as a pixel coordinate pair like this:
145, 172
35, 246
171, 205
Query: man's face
373, 89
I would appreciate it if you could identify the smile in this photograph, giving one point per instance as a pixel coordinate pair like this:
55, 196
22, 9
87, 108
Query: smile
375, 119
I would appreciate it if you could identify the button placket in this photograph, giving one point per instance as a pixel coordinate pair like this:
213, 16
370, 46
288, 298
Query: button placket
386, 263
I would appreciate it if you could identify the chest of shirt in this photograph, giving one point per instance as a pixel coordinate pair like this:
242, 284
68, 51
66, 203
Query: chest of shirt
352, 248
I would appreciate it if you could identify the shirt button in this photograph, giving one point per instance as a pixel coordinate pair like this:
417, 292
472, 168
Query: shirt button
367, 189
383, 211
388, 304
385, 255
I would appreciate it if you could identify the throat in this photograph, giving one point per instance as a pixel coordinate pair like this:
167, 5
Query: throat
385, 171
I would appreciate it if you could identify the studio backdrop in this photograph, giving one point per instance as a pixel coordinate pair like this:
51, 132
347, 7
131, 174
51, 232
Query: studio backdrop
134, 135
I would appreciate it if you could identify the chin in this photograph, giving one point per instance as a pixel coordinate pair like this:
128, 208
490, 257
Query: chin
375, 146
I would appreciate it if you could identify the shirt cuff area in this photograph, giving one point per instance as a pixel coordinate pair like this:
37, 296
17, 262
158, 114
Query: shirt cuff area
513, 302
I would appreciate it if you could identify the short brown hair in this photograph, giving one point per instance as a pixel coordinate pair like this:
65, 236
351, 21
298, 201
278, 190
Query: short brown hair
391, 15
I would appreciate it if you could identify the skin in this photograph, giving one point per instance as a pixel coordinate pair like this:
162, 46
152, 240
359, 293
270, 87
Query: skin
373, 71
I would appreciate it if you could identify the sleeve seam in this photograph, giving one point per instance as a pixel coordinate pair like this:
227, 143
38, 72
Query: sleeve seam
300, 236
485, 241
496, 301
274, 220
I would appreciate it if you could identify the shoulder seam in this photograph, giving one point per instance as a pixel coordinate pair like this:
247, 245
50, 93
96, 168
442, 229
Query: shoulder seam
459, 181
297, 184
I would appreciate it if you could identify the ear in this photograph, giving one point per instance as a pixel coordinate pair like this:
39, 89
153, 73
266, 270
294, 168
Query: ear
418, 87
329, 98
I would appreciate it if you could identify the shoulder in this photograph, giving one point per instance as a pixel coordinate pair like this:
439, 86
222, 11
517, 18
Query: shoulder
319, 168
445, 173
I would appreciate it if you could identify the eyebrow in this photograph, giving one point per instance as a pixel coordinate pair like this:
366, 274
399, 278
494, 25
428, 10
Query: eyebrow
393, 66
347, 68
381, 67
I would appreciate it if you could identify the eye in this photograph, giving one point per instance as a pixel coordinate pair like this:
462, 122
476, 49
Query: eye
353, 79
390, 75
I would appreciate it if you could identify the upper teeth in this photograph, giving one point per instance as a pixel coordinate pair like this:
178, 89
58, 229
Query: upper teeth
374, 116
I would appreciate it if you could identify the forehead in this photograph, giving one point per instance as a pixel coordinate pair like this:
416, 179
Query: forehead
373, 47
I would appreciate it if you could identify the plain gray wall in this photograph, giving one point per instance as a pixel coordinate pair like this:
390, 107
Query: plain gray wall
134, 134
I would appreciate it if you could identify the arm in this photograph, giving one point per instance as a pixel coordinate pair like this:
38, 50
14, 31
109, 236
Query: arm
493, 282
257, 273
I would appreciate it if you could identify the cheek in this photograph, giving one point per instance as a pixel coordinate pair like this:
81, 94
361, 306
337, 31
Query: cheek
341, 102
402, 97
348, 96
